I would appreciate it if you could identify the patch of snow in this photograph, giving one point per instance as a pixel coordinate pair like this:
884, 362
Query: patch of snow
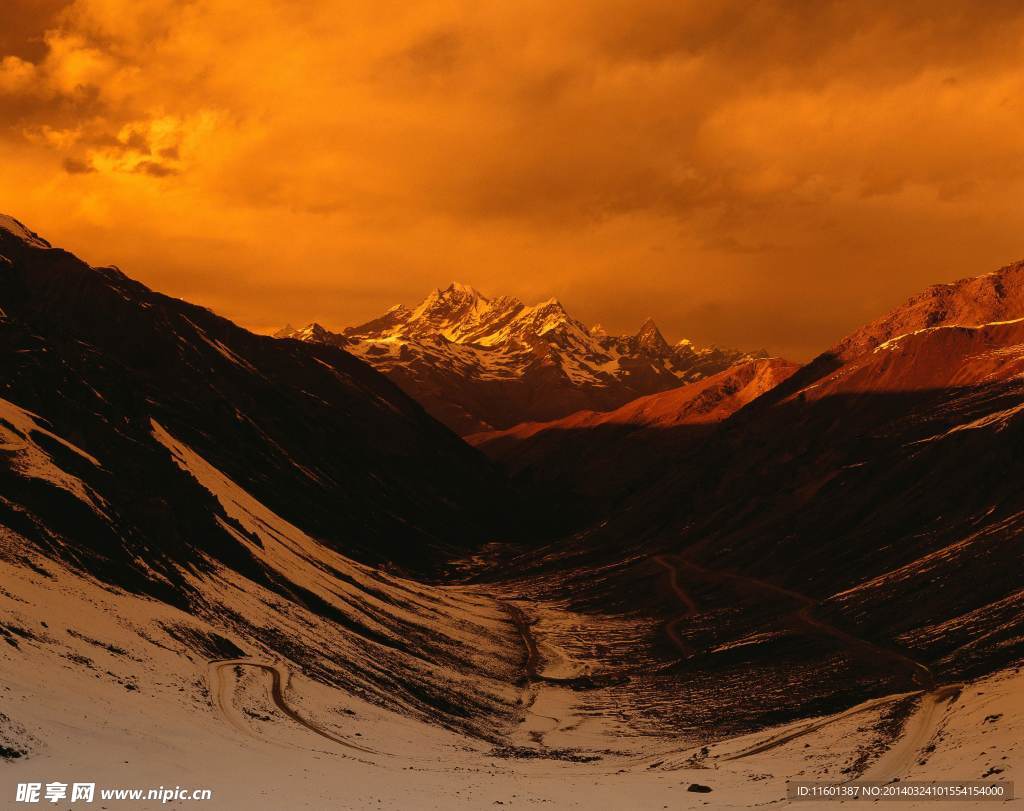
231, 356
893, 342
12, 226
31, 460
221, 349
998, 420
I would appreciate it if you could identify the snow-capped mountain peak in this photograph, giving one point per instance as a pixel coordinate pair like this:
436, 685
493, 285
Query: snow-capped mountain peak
478, 363
312, 332
649, 339
451, 312
464, 289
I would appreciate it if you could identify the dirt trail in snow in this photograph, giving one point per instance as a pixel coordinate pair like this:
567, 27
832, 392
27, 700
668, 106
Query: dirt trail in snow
918, 730
920, 673
522, 623
899, 758
221, 693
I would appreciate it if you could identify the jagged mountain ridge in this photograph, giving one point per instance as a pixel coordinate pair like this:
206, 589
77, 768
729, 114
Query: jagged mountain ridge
966, 302
479, 363
708, 400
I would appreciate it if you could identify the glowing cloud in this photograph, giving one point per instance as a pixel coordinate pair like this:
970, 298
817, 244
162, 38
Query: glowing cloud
753, 174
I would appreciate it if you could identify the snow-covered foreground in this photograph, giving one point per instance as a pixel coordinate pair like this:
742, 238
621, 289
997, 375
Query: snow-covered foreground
95, 689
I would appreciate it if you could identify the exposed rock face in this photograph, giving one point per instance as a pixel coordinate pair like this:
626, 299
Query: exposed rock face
996, 296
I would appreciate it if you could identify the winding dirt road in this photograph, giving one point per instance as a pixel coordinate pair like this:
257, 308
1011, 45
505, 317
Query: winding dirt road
219, 671
804, 618
684, 597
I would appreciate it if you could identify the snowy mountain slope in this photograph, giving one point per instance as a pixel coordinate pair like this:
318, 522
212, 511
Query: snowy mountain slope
207, 539
480, 364
970, 301
108, 687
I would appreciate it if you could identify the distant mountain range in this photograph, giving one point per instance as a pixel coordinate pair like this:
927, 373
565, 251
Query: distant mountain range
481, 364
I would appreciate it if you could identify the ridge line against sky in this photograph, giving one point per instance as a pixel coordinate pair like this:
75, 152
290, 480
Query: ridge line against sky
769, 174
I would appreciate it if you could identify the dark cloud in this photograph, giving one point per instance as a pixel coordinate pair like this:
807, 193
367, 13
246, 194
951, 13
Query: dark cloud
780, 37
22, 25
75, 166
137, 141
437, 52
154, 169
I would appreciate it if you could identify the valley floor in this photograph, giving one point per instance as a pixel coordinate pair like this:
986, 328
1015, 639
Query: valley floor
93, 696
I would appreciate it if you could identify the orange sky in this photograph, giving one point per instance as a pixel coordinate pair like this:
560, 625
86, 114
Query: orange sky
751, 174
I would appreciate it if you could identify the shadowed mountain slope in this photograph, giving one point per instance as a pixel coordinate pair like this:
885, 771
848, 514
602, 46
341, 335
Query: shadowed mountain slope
852, 532
591, 461
224, 526
159, 451
308, 429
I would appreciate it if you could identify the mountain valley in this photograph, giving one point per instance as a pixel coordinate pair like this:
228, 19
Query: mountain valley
726, 575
